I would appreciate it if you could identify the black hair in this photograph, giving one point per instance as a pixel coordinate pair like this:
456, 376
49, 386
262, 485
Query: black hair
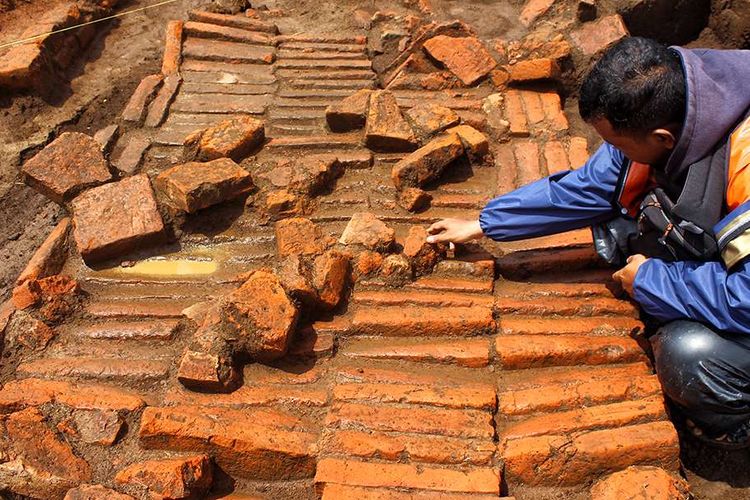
638, 85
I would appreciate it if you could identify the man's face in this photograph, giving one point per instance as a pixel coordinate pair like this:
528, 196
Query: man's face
652, 148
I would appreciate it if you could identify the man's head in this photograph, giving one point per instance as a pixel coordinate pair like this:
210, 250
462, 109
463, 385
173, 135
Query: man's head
635, 98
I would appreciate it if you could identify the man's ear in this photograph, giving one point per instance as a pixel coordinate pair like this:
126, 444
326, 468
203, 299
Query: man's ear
664, 137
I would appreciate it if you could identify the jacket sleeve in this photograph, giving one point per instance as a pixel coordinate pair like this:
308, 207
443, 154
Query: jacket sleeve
699, 291
558, 203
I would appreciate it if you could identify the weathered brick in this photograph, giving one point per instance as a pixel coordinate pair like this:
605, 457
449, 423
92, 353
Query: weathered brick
248, 395
527, 162
228, 33
194, 186
473, 353
135, 308
159, 108
429, 119
107, 137
473, 396
553, 111
207, 371
50, 256
131, 157
366, 230
217, 50
172, 48
595, 325
428, 162
533, 10
423, 256
421, 321
129, 330
350, 113
27, 332
101, 427
171, 478
575, 306
19, 394
414, 419
525, 351
555, 157
135, 110
439, 283
116, 218
465, 57
245, 23
532, 103
65, 167
349, 472
330, 277
220, 103
534, 69
413, 199
644, 481
298, 236
593, 37
26, 295
515, 114
571, 394
257, 444
25, 66
578, 152
337, 491
419, 448
235, 139
122, 370
475, 143
560, 460
436, 299
95, 492
387, 130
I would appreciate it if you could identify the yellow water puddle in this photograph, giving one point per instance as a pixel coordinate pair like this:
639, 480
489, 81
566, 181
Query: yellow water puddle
164, 267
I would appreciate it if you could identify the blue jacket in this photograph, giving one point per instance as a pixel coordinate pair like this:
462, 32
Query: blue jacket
715, 293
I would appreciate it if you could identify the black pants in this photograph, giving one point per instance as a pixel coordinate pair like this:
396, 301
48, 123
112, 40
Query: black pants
705, 373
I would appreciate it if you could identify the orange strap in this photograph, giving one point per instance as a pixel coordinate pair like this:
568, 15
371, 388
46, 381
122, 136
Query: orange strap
738, 187
637, 183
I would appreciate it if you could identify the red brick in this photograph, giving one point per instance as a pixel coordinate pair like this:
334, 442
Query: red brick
131, 157
194, 186
325, 64
527, 162
26, 295
578, 151
595, 325
428, 162
235, 139
136, 308
590, 418
438, 283
26, 332
123, 370
25, 66
422, 321
505, 163
423, 256
366, 230
135, 110
228, 33
465, 57
50, 256
515, 114
559, 460
645, 482
97, 492
555, 157
159, 108
413, 419
526, 351
208, 371
248, 395
475, 143
233, 21
474, 396
349, 472
97, 426
429, 119
258, 444
430, 449
172, 48
533, 10
571, 395
534, 69
532, 103
220, 103
473, 353
231, 52
350, 113
65, 167
593, 37
387, 130
553, 111
580, 306
18, 394
573, 376
435, 299
124, 330
171, 478
298, 236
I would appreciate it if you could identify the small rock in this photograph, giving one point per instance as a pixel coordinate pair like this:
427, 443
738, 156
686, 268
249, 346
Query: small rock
475, 143
330, 275
367, 230
534, 69
299, 236
350, 113
641, 482
295, 279
428, 162
23, 330
60, 296
586, 10
195, 186
68, 165
189, 477
95, 492
423, 256
429, 119
116, 218
396, 270
98, 426
465, 57
387, 130
235, 138
413, 199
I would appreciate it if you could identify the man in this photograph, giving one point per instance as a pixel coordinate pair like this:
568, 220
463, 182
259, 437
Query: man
670, 190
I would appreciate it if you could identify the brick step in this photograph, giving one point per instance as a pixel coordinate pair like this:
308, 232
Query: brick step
413, 419
314, 93
338, 491
175, 134
476, 265
399, 372
285, 53
134, 372
304, 102
475, 396
326, 74
145, 288
565, 306
425, 298
161, 330
455, 103
238, 21
330, 39
422, 321
460, 200
283, 130
591, 325
443, 284
388, 215
260, 444
419, 448
343, 141
196, 120
484, 480
259, 84
321, 46
555, 397
307, 64
136, 308
565, 376
203, 49
550, 288
476, 93
472, 353
251, 395
231, 88
559, 460
227, 33
296, 115
586, 419
220, 103
350, 86
522, 264
308, 343
530, 351
215, 72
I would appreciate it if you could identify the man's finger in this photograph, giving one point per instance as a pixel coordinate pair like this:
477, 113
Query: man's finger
617, 276
437, 227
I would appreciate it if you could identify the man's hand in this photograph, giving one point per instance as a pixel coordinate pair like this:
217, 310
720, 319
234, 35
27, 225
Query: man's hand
626, 275
454, 231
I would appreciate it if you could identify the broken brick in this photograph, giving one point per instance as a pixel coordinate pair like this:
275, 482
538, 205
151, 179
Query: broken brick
598, 35
647, 482
60, 295
26, 295
428, 162
534, 69
107, 137
194, 186
413, 199
100, 427
465, 57
235, 138
330, 276
368, 231
396, 270
26, 331
95, 492
50, 256
387, 129
282, 203
299, 236
65, 167
116, 218
135, 110
475, 143
533, 10
294, 277
367, 263
313, 175
350, 113
188, 477
207, 371
131, 157
423, 256
429, 119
